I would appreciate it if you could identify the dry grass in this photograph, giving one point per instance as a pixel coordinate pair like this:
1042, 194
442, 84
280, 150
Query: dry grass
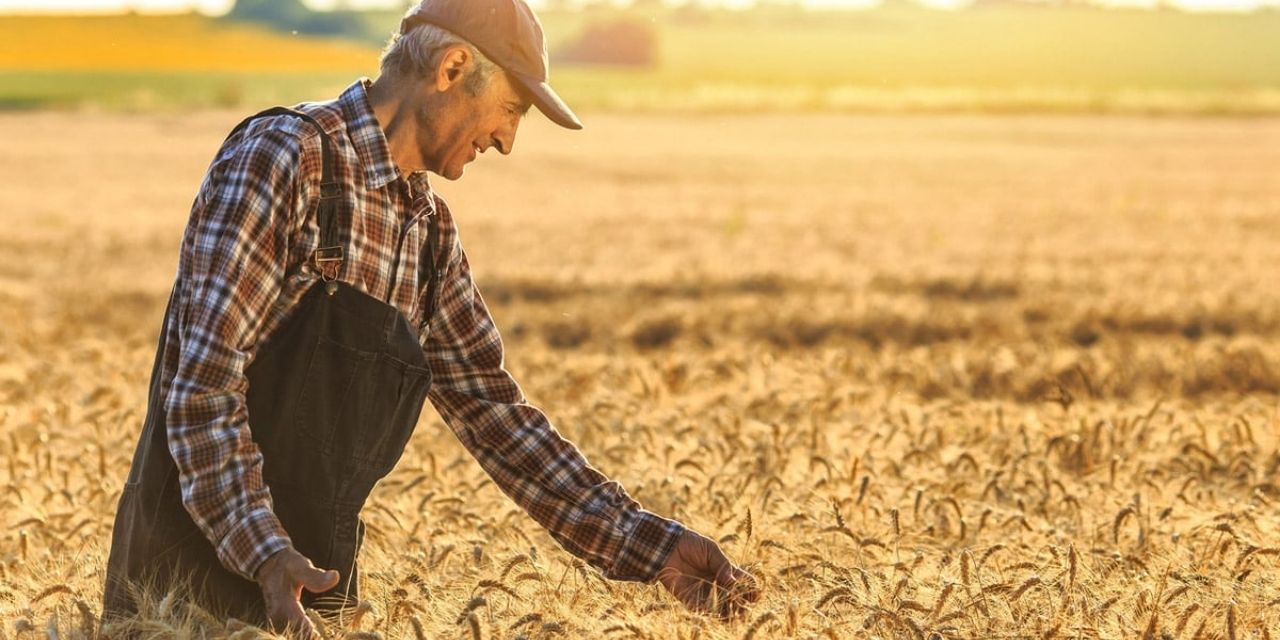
928, 377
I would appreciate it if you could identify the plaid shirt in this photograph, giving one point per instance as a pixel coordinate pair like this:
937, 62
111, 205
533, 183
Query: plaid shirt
245, 263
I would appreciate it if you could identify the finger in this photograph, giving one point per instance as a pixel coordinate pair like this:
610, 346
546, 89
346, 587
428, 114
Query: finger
726, 609
697, 594
739, 591
317, 581
720, 563
287, 615
729, 576
304, 630
744, 585
726, 575
725, 605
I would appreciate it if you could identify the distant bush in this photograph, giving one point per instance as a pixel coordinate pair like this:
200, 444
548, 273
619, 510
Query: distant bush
278, 13
616, 41
292, 16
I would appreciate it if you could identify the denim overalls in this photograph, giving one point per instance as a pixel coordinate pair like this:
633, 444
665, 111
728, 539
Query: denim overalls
334, 394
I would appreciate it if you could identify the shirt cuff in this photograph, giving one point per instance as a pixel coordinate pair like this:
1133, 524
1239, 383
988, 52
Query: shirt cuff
650, 539
251, 540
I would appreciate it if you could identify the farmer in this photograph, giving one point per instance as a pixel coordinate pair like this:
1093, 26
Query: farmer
322, 296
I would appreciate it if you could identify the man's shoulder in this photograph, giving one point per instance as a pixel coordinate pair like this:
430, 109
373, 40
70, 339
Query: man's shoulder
283, 125
328, 114
282, 138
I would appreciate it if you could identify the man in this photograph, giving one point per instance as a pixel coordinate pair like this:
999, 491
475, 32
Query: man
322, 295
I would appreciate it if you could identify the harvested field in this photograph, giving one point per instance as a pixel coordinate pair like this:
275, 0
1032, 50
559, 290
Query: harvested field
926, 376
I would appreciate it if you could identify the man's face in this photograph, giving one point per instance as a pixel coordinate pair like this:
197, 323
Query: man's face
468, 125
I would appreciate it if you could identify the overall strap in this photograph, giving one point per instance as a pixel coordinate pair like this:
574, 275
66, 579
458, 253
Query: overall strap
328, 256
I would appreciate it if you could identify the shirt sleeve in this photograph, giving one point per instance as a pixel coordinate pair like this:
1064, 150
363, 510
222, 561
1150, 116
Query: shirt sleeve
589, 515
232, 266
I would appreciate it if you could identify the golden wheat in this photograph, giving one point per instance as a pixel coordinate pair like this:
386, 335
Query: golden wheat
937, 377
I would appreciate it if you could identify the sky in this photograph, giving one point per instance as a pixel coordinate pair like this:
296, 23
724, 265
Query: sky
221, 6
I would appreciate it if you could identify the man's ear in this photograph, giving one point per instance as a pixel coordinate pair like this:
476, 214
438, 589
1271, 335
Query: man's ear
453, 66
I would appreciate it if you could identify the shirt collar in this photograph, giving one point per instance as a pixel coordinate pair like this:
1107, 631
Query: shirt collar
366, 135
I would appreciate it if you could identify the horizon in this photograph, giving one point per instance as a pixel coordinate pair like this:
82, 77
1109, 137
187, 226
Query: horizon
221, 7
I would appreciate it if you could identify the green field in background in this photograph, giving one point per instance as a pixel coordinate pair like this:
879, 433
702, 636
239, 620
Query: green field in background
132, 91
899, 57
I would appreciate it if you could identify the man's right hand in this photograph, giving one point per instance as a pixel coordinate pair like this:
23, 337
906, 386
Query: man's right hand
283, 577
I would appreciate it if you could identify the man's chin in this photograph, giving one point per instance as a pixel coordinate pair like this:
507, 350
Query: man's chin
449, 175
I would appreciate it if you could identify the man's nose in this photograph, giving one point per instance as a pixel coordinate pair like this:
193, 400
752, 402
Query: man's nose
505, 138
504, 143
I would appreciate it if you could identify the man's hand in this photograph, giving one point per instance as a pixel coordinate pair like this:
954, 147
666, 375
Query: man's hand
699, 575
282, 578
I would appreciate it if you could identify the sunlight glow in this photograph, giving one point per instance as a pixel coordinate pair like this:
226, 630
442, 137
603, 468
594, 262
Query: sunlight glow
216, 7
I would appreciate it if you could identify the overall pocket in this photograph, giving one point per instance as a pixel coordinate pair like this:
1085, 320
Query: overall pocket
328, 405
394, 391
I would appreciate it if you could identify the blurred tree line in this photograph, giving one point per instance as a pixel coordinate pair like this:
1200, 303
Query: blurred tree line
609, 35
291, 16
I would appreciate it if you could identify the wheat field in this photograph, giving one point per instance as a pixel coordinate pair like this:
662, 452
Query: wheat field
925, 376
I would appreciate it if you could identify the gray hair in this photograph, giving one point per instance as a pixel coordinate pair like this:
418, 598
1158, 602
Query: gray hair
417, 54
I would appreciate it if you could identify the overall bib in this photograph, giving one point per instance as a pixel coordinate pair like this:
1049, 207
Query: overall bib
334, 394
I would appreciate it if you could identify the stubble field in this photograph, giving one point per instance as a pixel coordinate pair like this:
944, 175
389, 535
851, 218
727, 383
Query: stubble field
929, 376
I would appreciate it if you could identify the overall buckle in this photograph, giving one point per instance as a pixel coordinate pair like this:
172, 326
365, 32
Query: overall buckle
330, 190
328, 260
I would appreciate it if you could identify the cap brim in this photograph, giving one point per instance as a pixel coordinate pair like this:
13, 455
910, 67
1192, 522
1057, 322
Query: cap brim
548, 102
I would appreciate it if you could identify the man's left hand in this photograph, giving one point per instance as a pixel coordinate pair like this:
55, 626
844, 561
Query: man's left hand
699, 575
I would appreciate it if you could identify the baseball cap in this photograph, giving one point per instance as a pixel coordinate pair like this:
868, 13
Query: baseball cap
508, 33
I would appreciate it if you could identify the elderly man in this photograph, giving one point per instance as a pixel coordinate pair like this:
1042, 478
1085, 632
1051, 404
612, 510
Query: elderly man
322, 296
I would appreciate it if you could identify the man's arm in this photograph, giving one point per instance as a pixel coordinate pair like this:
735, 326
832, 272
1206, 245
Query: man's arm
232, 266
590, 515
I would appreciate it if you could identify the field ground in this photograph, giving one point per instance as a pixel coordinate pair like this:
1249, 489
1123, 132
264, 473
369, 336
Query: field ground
996, 58
979, 377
